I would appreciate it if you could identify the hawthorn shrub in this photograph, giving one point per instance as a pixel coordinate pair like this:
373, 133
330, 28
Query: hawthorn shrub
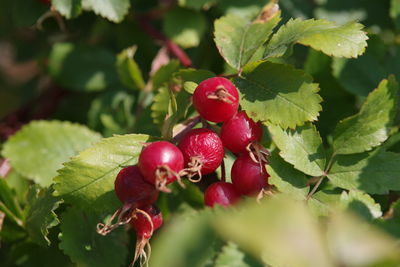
208, 132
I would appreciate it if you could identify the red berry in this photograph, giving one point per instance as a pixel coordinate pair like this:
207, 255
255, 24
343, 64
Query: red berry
160, 162
141, 222
131, 187
221, 193
248, 177
216, 99
240, 131
202, 147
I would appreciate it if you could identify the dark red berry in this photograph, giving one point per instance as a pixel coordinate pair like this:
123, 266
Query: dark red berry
141, 221
202, 150
248, 177
216, 99
160, 162
221, 193
238, 132
130, 187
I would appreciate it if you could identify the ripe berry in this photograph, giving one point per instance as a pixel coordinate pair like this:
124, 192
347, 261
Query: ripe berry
221, 193
130, 187
160, 163
141, 222
202, 150
216, 99
248, 177
238, 132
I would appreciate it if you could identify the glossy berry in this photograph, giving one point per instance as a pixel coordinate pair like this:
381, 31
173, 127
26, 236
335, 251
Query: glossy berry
216, 99
160, 157
221, 193
202, 145
248, 177
142, 225
240, 131
130, 187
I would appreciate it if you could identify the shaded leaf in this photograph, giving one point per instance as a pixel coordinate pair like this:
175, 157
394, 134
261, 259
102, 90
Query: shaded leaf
285, 178
84, 246
164, 74
372, 172
361, 203
45, 145
371, 126
279, 94
185, 26
82, 68
392, 225
194, 241
40, 214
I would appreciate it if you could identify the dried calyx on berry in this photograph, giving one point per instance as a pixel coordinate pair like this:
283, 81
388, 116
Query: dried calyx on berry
145, 222
216, 99
239, 132
134, 192
160, 163
202, 151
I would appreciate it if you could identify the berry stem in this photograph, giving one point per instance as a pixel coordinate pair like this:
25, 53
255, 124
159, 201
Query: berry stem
316, 186
223, 171
171, 46
189, 124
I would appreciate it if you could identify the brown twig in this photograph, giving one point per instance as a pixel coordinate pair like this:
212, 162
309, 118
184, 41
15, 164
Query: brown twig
173, 48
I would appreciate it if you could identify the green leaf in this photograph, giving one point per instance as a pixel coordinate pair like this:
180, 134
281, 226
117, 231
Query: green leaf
112, 112
355, 75
395, 12
82, 68
324, 202
285, 178
301, 147
26, 13
194, 241
346, 40
88, 179
164, 74
372, 172
279, 94
231, 256
371, 126
45, 145
84, 246
392, 224
68, 8
238, 39
128, 71
352, 242
272, 228
113, 10
159, 108
185, 26
197, 4
361, 203
194, 75
40, 214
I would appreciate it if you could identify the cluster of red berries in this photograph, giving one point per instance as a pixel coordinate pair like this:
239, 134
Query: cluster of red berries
198, 153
